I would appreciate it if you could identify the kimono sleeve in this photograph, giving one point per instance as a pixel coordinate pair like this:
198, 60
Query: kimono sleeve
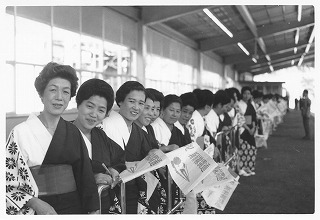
20, 184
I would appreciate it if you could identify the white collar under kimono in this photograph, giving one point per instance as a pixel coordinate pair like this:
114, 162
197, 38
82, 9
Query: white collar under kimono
212, 122
88, 144
34, 140
116, 128
161, 131
179, 126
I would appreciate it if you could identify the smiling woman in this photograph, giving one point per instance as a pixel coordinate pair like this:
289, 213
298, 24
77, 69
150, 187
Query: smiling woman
94, 100
130, 98
46, 147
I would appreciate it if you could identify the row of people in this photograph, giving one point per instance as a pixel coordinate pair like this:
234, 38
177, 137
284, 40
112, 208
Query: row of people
54, 166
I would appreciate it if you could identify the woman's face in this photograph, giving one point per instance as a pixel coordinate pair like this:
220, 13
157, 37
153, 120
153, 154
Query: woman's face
230, 105
56, 96
91, 112
156, 112
186, 114
132, 106
171, 113
147, 113
246, 95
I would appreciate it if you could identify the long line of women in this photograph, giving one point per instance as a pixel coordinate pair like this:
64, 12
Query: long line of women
54, 166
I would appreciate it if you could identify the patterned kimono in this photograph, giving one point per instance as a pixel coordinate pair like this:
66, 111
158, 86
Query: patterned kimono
136, 148
30, 144
104, 150
247, 151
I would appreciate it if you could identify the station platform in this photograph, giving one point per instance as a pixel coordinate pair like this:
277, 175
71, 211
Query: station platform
285, 174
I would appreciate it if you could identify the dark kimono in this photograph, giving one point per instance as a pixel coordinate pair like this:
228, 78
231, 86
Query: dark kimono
136, 149
67, 147
105, 150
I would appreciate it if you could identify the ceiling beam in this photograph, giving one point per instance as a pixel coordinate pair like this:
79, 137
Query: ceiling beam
273, 63
129, 11
267, 30
274, 59
244, 12
173, 34
284, 27
278, 49
286, 65
155, 14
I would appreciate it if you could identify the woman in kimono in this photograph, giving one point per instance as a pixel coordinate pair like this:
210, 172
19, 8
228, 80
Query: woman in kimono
94, 100
168, 134
189, 105
157, 202
158, 102
130, 98
46, 147
247, 151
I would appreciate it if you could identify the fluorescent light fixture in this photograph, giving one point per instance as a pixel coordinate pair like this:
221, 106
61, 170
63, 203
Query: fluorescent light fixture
218, 22
292, 62
271, 68
301, 59
295, 50
311, 36
254, 60
268, 58
308, 48
299, 12
243, 49
296, 38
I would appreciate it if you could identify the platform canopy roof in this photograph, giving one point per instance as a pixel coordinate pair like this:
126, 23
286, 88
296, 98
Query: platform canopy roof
275, 36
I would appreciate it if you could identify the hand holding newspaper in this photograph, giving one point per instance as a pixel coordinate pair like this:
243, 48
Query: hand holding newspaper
154, 160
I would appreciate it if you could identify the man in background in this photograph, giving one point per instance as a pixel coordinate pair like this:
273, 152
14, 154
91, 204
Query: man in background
305, 104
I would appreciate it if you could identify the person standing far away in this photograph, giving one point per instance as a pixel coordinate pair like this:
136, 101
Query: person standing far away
305, 104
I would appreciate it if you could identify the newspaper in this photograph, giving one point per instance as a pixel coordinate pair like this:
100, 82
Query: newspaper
189, 165
154, 160
218, 196
218, 176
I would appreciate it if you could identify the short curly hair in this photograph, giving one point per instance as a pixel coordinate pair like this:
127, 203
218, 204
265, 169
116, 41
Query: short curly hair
126, 88
97, 87
54, 70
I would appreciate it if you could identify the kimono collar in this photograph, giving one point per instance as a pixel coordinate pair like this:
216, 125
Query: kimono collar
41, 134
116, 128
179, 126
161, 131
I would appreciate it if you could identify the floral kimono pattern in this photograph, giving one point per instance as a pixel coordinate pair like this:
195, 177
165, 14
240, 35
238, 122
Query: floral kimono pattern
20, 185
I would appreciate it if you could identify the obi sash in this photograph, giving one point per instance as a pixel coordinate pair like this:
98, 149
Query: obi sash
54, 179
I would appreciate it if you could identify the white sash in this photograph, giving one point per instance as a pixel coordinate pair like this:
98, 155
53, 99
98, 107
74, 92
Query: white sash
116, 128
161, 131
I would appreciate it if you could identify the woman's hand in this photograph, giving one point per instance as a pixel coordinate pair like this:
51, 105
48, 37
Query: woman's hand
251, 131
115, 177
102, 178
169, 148
41, 207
